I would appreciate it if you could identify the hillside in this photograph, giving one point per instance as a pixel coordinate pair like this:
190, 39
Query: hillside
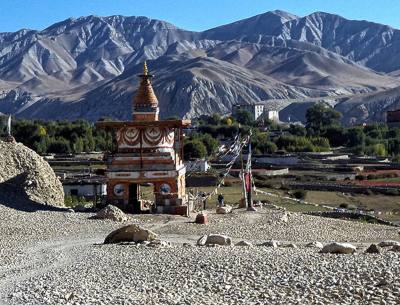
86, 67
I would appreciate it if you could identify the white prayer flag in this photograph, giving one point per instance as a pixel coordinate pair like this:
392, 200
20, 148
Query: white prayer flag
9, 125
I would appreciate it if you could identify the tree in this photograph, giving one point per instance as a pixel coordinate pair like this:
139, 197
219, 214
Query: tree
297, 130
59, 146
335, 134
194, 149
244, 117
355, 137
210, 143
320, 116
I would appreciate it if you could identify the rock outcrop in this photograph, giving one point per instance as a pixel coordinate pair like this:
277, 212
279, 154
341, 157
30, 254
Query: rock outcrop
130, 233
25, 176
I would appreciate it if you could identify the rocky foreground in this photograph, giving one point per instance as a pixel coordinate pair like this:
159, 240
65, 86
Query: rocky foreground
49, 257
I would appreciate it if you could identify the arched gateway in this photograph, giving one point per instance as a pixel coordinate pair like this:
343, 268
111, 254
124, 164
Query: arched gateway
149, 151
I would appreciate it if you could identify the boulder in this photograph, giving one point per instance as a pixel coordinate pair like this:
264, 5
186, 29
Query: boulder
130, 233
214, 239
315, 244
373, 249
26, 178
271, 243
218, 239
111, 212
388, 243
224, 210
339, 248
244, 243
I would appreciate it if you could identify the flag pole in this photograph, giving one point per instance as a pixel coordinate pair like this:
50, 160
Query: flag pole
249, 178
242, 175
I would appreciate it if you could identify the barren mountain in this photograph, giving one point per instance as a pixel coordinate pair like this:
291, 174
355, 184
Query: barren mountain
86, 67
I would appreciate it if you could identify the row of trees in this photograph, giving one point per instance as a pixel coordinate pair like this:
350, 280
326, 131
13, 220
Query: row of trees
321, 132
60, 136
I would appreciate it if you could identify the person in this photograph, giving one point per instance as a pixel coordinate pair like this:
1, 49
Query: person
220, 200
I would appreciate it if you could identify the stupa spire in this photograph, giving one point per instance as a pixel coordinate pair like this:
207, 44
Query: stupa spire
145, 103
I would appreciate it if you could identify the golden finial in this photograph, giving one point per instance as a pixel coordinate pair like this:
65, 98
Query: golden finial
145, 70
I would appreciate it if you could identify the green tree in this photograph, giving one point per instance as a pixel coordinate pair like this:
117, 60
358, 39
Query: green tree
194, 149
59, 146
320, 116
244, 117
210, 143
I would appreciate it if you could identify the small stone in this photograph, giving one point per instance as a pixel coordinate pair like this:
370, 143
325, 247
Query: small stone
202, 240
271, 243
315, 244
244, 243
388, 243
373, 249
395, 248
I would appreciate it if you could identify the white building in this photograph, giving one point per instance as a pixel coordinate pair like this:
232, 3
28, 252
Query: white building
257, 110
272, 115
88, 188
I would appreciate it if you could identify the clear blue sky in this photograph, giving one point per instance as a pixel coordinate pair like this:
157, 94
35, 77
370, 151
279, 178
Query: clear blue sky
188, 14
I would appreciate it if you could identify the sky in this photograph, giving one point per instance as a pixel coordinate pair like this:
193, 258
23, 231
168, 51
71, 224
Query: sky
195, 15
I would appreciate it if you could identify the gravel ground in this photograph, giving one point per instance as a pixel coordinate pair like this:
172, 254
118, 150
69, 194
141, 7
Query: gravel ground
57, 258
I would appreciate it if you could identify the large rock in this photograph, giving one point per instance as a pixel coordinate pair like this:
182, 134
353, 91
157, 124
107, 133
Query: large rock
130, 233
214, 239
224, 210
28, 177
388, 243
339, 248
111, 212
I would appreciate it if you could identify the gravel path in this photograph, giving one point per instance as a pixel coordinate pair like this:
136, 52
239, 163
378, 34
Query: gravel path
57, 258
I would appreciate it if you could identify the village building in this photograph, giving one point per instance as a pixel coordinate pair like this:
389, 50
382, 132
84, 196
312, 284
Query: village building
150, 151
257, 111
87, 187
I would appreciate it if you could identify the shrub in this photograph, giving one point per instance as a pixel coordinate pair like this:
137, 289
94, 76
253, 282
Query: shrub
344, 205
299, 194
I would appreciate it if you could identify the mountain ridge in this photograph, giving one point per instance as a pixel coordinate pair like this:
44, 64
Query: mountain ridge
73, 67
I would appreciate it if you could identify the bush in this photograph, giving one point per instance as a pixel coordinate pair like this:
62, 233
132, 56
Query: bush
299, 194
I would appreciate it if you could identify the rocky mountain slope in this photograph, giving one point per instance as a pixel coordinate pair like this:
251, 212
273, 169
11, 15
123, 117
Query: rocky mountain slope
86, 67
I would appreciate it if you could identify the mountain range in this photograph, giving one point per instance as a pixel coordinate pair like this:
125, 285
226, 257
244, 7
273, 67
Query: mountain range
87, 67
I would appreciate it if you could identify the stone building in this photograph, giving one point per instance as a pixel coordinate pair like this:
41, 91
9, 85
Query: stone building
149, 151
257, 110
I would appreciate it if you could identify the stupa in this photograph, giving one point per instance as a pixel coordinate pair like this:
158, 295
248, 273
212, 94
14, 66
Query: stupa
150, 151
